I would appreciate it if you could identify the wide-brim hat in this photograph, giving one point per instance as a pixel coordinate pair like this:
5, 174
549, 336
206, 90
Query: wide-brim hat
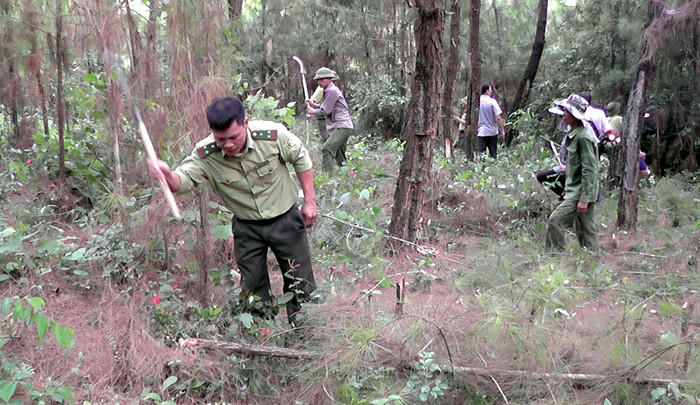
612, 107
574, 104
325, 73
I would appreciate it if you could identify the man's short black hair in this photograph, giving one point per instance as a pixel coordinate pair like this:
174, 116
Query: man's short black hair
223, 111
586, 96
485, 87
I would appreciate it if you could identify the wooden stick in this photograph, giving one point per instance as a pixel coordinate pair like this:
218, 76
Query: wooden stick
150, 152
252, 350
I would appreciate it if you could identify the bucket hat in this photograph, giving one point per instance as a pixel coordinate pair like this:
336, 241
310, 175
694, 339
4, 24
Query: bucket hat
574, 104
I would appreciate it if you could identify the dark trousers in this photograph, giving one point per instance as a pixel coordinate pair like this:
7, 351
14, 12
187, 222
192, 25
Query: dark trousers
321, 121
286, 236
552, 180
334, 148
490, 142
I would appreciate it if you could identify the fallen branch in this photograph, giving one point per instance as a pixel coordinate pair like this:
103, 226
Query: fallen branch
252, 350
489, 372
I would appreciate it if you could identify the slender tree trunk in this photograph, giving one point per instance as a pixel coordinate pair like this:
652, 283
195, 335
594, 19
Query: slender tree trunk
421, 127
631, 127
60, 107
134, 42
42, 100
34, 66
475, 76
12, 77
450, 76
614, 33
152, 79
499, 48
532, 65
201, 245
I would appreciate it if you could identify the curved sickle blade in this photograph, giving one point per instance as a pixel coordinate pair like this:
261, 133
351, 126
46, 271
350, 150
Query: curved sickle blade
303, 76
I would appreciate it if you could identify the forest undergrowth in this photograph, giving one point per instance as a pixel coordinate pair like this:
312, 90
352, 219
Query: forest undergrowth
100, 308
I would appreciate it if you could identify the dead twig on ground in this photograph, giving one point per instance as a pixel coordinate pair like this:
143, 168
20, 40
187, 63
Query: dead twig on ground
252, 350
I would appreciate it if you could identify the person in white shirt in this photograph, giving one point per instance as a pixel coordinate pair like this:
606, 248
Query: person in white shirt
490, 121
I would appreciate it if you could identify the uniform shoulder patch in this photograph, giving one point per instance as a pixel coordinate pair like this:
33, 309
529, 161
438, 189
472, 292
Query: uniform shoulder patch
292, 144
207, 150
265, 135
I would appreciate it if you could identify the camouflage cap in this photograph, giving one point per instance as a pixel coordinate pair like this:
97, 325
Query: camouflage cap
324, 73
574, 104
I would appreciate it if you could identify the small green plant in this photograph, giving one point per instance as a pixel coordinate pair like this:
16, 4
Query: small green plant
16, 373
423, 383
672, 394
147, 395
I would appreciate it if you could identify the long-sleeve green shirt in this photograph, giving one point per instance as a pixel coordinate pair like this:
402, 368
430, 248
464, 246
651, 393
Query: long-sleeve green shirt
582, 174
257, 184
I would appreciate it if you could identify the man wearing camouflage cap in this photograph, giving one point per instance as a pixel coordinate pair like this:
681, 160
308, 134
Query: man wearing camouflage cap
322, 120
245, 163
340, 125
582, 178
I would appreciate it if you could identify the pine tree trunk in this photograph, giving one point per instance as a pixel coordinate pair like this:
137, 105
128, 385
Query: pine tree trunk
475, 77
631, 127
532, 65
152, 79
60, 107
450, 76
201, 245
421, 127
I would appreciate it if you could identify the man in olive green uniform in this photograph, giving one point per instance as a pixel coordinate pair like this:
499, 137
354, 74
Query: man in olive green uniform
581, 190
244, 162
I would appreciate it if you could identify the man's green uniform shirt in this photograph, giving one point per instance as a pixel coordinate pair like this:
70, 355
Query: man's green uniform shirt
257, 184
581, 166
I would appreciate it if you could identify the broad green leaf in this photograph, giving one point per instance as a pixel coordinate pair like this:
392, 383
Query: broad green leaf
42, 326
12, 245
63, 335
168, 382
7, 232
4, 277
152, 395
90, 78
77, 255
345, 198
246, 319
50, 246
386, 284
364, 194
7, 390
36, 302
284, 298
222, 232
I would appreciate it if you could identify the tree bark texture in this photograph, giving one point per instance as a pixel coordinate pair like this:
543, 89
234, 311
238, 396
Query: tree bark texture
235, 9
420, 130
60, 106
152, 79
475, 77
632, 125
532, 65
201, 246
450, 76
